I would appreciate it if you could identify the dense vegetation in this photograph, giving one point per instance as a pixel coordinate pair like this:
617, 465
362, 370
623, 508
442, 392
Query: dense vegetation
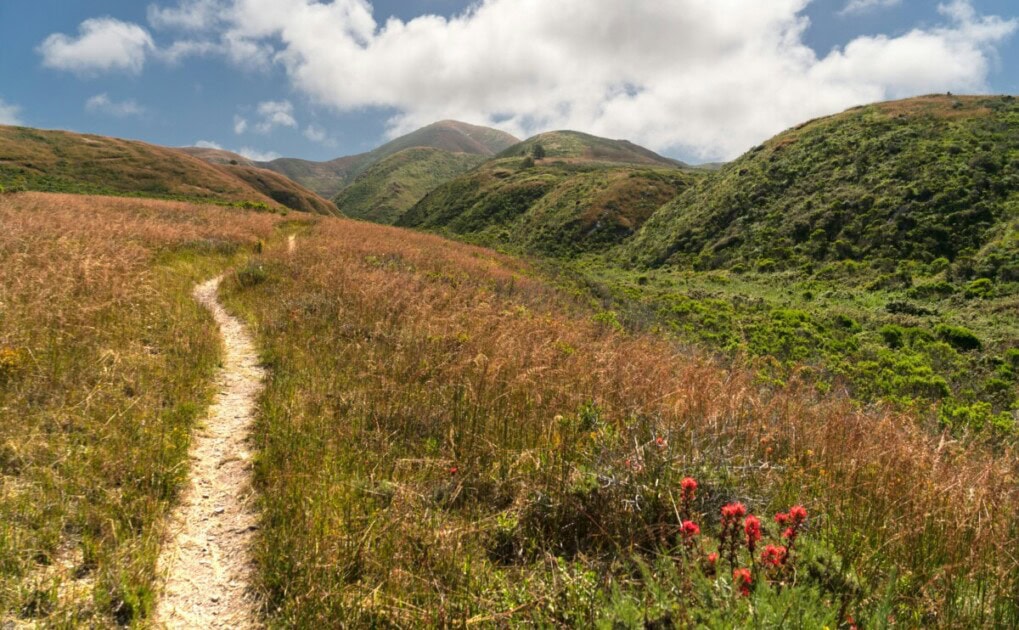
583, 146
392, 186
896, 183
330, 178
105, 361
64, 162
570, 193
446, 439
878, 247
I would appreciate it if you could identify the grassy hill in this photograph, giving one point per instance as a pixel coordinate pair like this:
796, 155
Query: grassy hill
393, 185
281, 189
879, 246
916, 180
218, 156
582, 146
448, 437
329, 178
557, 206
60, 161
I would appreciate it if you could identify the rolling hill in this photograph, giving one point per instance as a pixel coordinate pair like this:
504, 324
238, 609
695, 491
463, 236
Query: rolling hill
573, 201
60, 161
922, 179
218, 156
329, 178
393, 185
574, 145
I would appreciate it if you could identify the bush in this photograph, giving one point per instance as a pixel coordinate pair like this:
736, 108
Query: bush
980, 288
930, 290
959, 337
893, 335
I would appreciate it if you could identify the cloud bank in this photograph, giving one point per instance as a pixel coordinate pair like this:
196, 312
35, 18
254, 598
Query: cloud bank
707, 79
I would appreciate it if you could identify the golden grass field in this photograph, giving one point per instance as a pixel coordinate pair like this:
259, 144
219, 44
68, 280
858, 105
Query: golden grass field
447, 439
105, 363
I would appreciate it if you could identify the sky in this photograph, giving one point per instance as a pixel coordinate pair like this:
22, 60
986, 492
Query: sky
699, 80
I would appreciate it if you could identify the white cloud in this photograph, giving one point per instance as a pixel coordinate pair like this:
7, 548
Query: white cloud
9, 114
103, 104
864, 6
240, 125
318, 135
256, 155
189, 15
102, 45
275, 114
704, 78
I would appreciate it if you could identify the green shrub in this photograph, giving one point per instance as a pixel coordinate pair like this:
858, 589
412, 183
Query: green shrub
959, 337
893, 335
980, 288
931, 289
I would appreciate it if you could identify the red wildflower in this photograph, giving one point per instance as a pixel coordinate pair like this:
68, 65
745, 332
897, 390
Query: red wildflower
453, 470
733, 511
798, 514
773, 555
660, 442
742, 579
781, 518
689, 487
752, 528
690, 529
789, 533
712, 558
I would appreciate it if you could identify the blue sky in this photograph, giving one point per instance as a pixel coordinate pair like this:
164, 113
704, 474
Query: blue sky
693, 79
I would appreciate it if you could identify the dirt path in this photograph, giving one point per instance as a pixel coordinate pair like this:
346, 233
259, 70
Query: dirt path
208, 564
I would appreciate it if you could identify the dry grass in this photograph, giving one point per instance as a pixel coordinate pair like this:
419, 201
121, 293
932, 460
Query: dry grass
107, 366
446, 438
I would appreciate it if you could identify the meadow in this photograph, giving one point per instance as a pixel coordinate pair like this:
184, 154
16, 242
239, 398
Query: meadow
449, 439
450, 436
105, 367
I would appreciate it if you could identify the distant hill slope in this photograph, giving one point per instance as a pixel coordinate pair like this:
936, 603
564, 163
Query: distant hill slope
556, 207
329, 178
577, 145
919, 179
60, 161
218, 156
282, 189
393, 185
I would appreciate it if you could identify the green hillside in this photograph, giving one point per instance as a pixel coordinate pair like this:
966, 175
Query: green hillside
60, 161
879, 247
556, 206
329, 178
917, 180
392, 186
577, 145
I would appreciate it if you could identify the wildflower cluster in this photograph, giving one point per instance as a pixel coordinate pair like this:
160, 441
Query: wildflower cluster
739, 530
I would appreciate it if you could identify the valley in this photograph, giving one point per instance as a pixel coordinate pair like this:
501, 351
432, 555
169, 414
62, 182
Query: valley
509, 383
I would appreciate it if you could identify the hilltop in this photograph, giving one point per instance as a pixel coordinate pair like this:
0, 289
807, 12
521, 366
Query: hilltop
61, 161
586, 194
329, 178
218, 156
582, 146
387, 189
915, 180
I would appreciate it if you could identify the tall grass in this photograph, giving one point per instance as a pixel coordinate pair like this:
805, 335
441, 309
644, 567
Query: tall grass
105, 364
446, 439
